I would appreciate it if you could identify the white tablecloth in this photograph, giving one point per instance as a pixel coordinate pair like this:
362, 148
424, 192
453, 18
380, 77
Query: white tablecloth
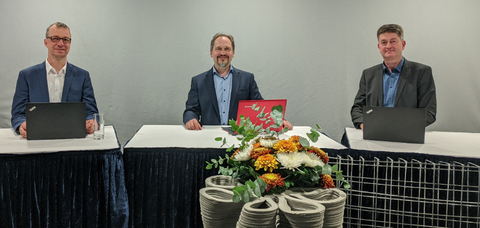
10, 143
456, 144
150, 136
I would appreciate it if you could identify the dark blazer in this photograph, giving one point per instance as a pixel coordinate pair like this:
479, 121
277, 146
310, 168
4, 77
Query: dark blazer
32, 86
202, 99
416, 89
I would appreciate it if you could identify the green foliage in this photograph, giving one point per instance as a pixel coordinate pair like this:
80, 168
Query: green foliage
250, 189
245, 172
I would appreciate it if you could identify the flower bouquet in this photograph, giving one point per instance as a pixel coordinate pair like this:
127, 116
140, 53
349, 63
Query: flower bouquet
267, 164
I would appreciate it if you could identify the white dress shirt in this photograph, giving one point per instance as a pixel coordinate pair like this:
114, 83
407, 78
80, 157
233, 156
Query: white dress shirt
55, 82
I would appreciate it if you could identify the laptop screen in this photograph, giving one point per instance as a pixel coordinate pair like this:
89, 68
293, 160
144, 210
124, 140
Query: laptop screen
253, 109
394, 124
55, 120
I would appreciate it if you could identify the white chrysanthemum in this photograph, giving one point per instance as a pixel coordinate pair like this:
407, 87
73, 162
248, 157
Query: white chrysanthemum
290, 160
268, 142
312, 160
243, 155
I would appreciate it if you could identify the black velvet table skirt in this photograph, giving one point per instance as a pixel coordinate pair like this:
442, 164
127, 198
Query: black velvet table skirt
65, 189
163, 185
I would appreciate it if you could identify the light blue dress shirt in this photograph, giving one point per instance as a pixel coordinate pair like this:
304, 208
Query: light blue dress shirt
390, 83
223, 89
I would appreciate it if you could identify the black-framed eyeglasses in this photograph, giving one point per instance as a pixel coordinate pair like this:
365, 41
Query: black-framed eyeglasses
55, 39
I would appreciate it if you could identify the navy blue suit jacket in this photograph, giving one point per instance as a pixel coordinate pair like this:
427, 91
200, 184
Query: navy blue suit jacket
32, 86
202, 100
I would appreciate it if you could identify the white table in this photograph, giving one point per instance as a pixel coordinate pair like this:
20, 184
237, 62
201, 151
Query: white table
11, 143
455, 144
63, 182
154, 136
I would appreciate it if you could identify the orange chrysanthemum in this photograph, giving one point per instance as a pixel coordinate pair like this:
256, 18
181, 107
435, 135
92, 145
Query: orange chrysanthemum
327, 181
256, 145
285, 146
267, 162
320, 153
273, 180
257, 152
296, 139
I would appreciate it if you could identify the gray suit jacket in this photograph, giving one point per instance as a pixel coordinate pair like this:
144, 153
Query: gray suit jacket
416, 89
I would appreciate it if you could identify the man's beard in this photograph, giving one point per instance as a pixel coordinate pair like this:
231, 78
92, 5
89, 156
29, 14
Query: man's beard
222, 65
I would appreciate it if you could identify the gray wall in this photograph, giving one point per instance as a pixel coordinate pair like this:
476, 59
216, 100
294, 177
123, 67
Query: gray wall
141, 55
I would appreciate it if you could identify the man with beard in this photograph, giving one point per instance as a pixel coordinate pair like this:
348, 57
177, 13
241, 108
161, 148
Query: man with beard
214, 95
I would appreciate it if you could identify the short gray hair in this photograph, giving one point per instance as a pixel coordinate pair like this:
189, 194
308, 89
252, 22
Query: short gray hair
390, 28
58, 25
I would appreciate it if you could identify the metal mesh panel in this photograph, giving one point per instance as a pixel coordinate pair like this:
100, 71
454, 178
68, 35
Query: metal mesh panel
401, 193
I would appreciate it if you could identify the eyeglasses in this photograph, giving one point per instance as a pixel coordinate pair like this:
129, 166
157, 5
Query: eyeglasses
55, 39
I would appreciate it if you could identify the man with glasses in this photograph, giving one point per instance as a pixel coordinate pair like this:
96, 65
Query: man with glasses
396, 82
54, 80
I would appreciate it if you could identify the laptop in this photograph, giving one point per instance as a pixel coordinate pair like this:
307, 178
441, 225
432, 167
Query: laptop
55, 120
394, 124
265, 106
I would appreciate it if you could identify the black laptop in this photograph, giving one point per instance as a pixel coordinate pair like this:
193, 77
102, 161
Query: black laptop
55, 120
394, 124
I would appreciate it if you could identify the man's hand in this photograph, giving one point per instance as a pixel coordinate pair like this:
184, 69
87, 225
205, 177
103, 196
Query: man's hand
89, 126
193, 124
287, 124
361, 126
23, 129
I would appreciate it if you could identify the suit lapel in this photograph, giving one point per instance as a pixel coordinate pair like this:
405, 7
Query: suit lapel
211, 92
42, 81
235, 86
67, 82
402, 80
379, 86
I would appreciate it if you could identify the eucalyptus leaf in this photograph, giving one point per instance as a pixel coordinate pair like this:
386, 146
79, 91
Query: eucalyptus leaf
254, 106
327, 169
218, 139
257, 192
304, 142
278, 108
246, 197
335, 168
339, 176
250, 184
209, 166
236, 198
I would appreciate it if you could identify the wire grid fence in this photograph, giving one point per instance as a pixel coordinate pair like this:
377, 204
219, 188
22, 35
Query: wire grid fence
401, 193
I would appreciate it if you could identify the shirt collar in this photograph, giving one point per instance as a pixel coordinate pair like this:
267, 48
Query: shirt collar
396, 69
217, 74
49, 68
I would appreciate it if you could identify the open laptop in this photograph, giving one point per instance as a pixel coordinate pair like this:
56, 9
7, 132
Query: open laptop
245, 109
55, 120
394, 124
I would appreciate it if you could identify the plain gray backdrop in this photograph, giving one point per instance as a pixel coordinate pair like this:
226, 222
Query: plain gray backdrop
141, 55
